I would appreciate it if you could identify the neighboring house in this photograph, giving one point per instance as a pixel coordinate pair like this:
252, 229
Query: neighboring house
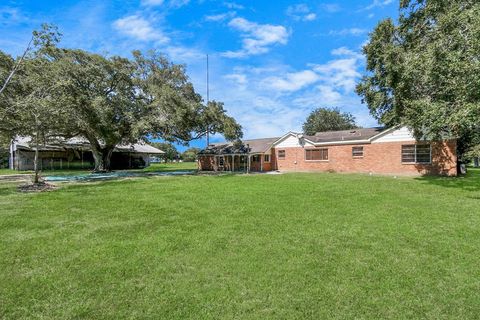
369, 150
76, 153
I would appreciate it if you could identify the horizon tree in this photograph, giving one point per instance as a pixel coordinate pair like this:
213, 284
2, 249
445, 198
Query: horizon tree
190, 155
171, 152
328, 119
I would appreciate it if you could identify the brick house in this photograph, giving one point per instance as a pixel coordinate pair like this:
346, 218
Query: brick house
368, 150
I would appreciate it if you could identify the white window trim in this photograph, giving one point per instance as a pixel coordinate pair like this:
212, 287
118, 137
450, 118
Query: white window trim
358, 157
415, 154
266, 155
305, 155
284, 154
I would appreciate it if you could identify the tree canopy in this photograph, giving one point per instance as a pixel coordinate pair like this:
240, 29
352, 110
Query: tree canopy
424, 70
171, 153
108, 100
190, 154
328, 119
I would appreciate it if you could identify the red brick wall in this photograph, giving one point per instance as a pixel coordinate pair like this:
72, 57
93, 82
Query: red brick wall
384, 158
206, 163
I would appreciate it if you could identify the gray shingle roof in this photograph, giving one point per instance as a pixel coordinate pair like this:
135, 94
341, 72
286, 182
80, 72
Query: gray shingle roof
262, 145
247, 146
345, 135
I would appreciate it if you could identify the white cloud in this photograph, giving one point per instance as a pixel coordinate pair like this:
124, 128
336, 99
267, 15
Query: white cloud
171, 3
291, 81
349, 31
330, 7
179, 3
378, 3
237, 78
11, 16
257, 38
139, 28
221, 16
310, 17
300, 12
344, 51
180, 54
341, 73
233, 5
269, 100
152, 2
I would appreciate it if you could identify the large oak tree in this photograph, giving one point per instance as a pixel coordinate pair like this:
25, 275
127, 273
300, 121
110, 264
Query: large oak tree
108, 100
424, 70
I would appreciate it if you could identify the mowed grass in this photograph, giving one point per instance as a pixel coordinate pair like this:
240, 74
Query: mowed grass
243, 246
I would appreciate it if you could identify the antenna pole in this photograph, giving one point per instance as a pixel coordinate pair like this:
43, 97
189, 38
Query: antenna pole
208, 99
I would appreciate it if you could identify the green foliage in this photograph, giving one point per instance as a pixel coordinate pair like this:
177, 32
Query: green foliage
243, 247
328, 119
171, 153
190, 154
216, 119
424, 71
108, 100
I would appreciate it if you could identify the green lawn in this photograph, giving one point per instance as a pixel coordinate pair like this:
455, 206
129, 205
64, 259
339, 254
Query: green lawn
286, 246
152, 167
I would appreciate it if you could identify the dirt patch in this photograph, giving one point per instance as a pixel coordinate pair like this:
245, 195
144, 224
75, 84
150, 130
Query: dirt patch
36, 187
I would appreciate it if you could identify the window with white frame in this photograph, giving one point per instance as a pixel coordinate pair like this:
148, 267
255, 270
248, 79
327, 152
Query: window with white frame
416, 153
281, 154
357, 152
266, 158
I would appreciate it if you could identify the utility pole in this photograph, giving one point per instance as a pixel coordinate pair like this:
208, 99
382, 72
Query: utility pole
208, 100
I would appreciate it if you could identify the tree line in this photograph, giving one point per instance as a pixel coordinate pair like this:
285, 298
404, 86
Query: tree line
52, 92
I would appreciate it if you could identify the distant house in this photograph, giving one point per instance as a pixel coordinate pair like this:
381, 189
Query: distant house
369, 150
76, 153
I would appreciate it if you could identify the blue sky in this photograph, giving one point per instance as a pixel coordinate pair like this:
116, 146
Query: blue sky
271, 62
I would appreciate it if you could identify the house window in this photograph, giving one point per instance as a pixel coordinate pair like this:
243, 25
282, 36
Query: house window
256, 158
220, 162
281, 154
357, 152
416, 153
316, 154
266, 158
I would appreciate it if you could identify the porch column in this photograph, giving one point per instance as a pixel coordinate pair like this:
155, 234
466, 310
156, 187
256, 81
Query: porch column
233, 163
248, 163
261, 163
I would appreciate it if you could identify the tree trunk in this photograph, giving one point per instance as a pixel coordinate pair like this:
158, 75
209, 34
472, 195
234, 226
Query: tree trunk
35, 165
102, 157
36, 179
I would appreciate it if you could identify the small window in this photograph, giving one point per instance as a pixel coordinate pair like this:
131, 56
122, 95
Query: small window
266, 158
220, 161
416, 153
357, 152
256, 158
281, 154
316, 154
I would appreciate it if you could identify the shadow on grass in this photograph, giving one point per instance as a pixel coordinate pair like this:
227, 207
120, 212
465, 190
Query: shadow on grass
468, 182
8, 189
